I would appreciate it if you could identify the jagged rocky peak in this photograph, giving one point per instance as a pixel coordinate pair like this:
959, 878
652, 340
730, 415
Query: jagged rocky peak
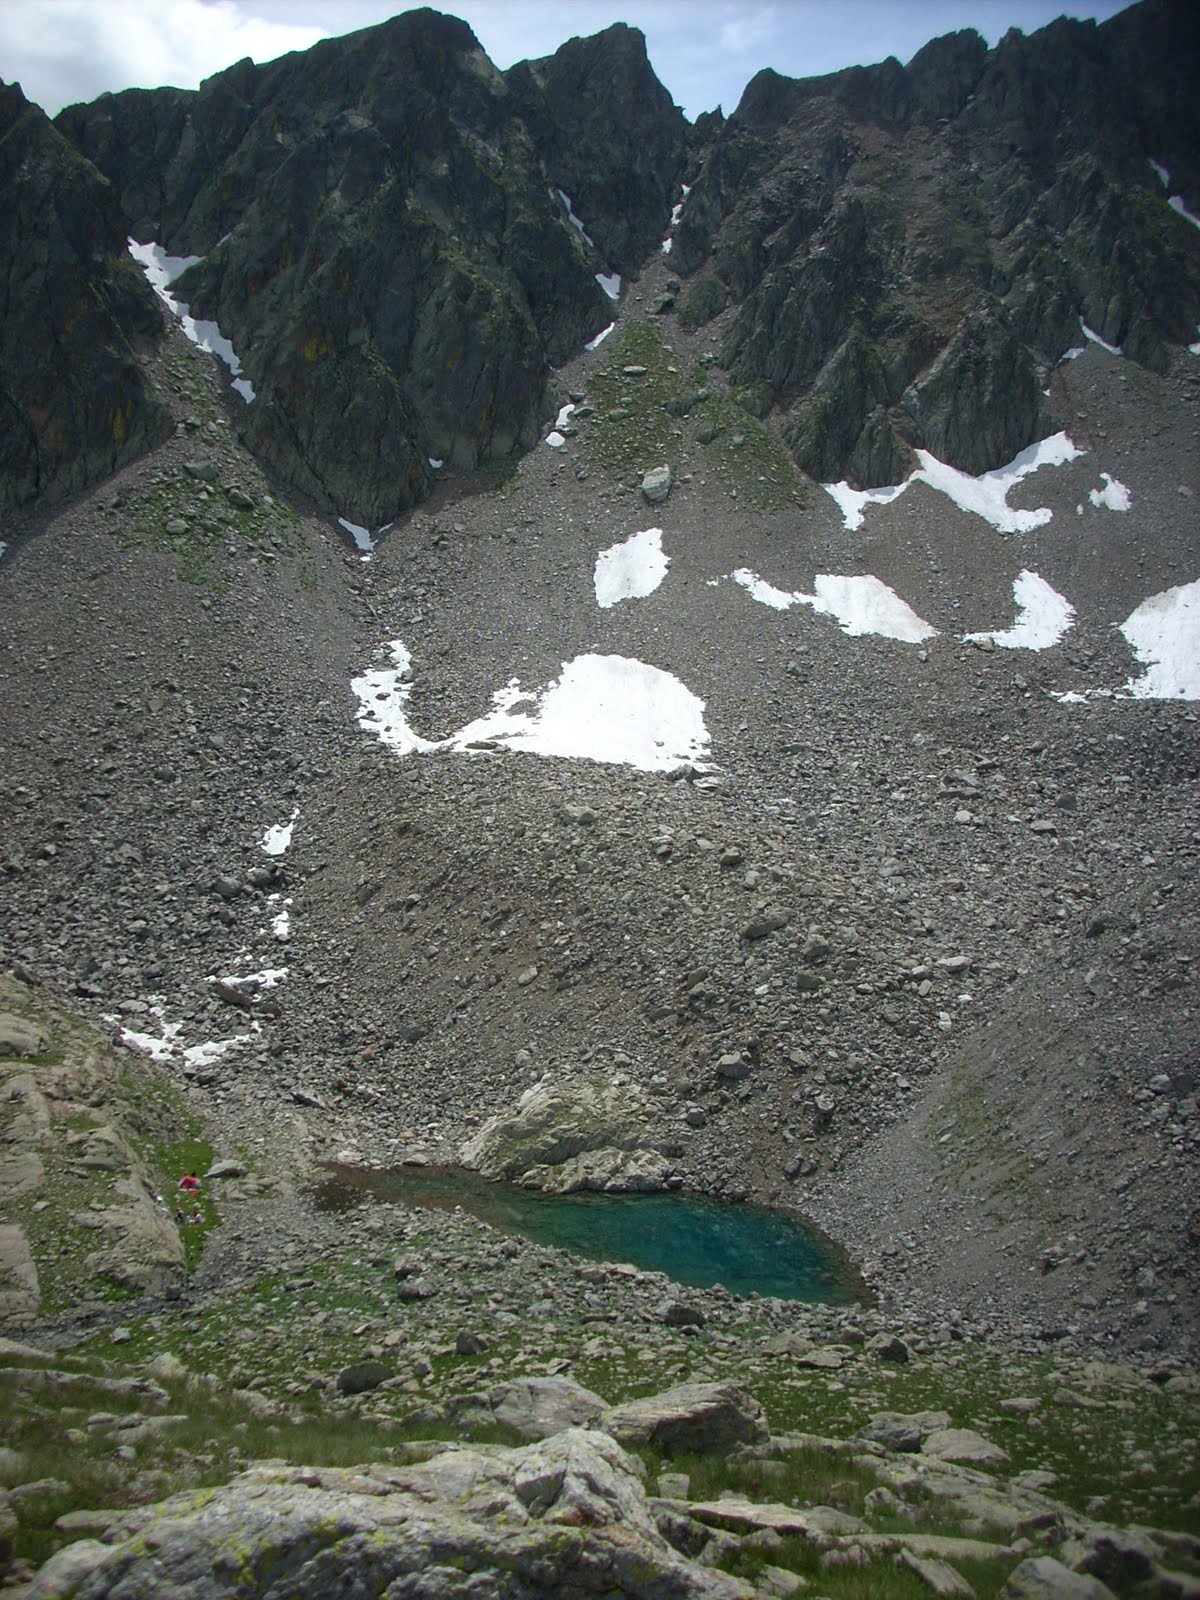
382, 242
74, 402
610, 137
909, 249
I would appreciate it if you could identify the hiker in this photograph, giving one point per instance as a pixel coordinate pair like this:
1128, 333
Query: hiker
189, 1184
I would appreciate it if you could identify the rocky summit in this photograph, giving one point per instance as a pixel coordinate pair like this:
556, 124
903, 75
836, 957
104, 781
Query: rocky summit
549, 646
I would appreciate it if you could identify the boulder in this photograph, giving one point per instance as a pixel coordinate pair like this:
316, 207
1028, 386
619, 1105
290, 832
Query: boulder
1044, 1578
536, 1408
554, 1124
963, 1444
20, 1037
656, 485
701, 1417
905, 1431
565, 1516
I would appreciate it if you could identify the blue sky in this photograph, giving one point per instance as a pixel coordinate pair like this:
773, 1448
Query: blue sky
704, 51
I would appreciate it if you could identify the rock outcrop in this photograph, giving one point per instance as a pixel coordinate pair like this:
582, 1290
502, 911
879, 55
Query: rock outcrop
910, 248
74, 401
565, 1517
78, 1181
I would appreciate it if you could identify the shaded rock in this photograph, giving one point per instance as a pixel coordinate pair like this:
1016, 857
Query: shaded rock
554, 1124
540, 1407
749, 1516
903, 1431
75, 403
363, 1376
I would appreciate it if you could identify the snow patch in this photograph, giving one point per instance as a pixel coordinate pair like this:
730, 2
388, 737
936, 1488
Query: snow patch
1073, 354
595, 343
987, 495
1090, 333
266, 979
600, 708
859, 605
630, 570
165, 1045
434, 463
161, 271
564, 415
1176, 204
1164, 632
555, 439
1161, 173
1043, 616
574, 220
383, 695
610, 282
277, 839
852, 501
281, 921
1114, 494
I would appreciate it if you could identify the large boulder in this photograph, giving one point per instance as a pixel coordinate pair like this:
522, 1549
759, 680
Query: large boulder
565, 1517
701, 1417
590, 1134
535, 1408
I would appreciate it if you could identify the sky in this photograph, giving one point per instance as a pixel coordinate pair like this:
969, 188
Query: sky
704, 51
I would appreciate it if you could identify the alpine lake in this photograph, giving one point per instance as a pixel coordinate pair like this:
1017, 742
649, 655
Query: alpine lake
692, 1239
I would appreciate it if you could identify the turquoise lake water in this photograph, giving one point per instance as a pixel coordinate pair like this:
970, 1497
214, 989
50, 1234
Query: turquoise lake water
692, 1239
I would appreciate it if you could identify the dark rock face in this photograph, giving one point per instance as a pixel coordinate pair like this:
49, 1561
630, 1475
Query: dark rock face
74, 404
909, 249
609, 136
381, 242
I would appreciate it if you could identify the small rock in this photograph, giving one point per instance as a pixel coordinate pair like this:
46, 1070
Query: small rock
656, 485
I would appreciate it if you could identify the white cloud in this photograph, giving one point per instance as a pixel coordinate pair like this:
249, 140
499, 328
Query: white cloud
747, 31
62, 51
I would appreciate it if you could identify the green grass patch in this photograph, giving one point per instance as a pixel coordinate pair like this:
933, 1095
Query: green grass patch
632, 430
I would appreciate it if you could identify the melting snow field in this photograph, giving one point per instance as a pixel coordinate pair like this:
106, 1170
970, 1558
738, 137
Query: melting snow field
165, 1044
852, 501
161, 271
631, 570
594, 344
600, 708
986, 495
277, 839
859, 605
1043, 616
1165, 634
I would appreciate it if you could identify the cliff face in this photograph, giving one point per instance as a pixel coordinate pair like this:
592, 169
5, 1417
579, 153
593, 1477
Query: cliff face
909, 248
381, 241
74, 405
609, 136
